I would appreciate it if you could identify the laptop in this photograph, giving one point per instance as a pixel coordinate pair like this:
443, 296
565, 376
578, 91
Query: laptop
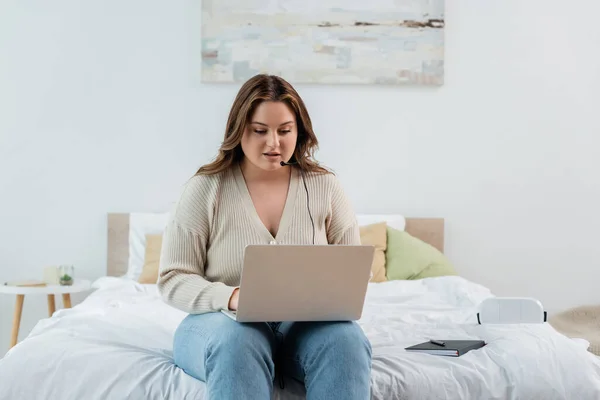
303, 283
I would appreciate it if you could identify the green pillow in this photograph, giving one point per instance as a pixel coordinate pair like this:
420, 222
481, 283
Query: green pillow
408, 257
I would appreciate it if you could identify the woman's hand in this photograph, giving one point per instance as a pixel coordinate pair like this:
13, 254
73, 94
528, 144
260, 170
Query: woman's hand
233, 300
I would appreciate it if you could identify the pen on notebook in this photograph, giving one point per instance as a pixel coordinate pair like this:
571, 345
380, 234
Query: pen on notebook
438, 342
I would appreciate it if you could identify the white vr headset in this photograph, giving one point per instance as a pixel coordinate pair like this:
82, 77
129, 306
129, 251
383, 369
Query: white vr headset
511, 310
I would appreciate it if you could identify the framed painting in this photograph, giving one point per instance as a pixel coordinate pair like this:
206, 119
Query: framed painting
397, 42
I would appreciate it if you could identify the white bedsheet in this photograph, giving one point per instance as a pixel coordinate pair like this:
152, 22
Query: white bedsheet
117, 345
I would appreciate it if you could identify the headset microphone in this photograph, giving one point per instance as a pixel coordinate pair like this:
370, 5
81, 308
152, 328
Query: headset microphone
283, 163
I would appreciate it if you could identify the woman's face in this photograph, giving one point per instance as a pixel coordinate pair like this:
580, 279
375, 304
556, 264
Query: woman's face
271, 136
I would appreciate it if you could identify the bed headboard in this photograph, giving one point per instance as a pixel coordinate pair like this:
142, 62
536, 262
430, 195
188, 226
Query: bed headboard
117, 256
429, 230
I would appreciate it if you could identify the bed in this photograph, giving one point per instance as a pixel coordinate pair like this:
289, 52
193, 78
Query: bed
117, 343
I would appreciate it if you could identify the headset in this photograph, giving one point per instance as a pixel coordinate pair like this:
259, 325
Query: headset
283, 164
275, 327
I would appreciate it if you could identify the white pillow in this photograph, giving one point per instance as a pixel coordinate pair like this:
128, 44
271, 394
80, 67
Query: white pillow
140, 225
393, 220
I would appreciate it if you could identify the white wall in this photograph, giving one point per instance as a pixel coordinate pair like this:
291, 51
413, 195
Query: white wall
102, 110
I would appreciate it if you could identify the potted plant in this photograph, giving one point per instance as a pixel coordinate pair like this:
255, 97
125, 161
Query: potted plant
65, 276
66, 280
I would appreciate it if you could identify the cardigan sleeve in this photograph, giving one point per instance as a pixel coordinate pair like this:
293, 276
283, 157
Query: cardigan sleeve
342, 226
181, 279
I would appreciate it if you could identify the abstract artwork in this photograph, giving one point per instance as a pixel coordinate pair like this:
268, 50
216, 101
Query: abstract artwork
398, 42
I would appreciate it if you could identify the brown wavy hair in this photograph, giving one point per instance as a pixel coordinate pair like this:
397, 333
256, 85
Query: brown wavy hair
253, 92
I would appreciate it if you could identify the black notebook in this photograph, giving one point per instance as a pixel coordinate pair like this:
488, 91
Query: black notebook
452, 348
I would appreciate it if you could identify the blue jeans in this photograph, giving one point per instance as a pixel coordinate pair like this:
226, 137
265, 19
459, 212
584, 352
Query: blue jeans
239, 360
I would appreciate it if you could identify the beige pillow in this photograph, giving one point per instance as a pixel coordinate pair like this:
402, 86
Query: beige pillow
376, 235
151, 259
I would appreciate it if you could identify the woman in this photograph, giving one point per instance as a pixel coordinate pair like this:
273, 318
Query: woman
263, 187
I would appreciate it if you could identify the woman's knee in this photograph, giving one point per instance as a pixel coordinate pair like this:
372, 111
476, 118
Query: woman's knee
354, 335
239, 341
213, 342
338, 359
347, 342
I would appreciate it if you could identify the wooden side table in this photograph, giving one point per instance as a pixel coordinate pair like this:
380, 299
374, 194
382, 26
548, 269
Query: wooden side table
79, 285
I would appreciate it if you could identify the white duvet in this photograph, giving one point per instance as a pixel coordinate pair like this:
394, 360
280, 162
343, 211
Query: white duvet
117, 345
